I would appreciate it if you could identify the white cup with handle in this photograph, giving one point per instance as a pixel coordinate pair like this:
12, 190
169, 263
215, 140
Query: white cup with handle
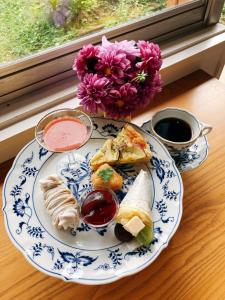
198, 128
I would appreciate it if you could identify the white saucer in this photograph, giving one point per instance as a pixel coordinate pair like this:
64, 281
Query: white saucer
191, 158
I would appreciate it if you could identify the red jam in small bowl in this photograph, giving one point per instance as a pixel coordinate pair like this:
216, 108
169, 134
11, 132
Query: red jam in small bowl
99, 207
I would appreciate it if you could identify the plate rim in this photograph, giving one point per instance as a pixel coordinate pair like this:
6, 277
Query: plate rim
117, 276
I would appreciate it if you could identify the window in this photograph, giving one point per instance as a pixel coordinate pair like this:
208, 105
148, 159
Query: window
30, 26
39, 45
222, 18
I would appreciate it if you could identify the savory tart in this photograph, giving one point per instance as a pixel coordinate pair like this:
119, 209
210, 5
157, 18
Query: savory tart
128, 147
106, 176
132, 146
107, 154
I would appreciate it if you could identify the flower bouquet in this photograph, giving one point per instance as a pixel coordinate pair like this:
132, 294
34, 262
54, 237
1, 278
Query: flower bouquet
118, 78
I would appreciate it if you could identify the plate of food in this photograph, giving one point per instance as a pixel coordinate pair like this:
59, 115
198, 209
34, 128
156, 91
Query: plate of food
108, 217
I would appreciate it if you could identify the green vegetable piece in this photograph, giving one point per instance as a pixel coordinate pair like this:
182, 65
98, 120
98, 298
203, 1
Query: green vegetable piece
145, 236
105, 174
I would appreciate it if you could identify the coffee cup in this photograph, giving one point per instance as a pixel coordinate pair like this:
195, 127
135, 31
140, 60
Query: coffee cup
177, 128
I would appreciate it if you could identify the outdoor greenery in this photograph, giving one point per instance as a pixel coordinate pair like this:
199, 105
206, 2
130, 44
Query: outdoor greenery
222, 20
27, 26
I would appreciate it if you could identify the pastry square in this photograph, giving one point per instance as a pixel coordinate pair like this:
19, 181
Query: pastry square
107, 154
132, 146
128, 147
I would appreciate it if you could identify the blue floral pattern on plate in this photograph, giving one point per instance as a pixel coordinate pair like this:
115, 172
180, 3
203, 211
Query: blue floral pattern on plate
190, 158
86, 255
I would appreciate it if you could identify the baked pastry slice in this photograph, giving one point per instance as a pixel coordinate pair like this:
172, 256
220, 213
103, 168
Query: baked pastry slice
128, 147
107, 154
132, 146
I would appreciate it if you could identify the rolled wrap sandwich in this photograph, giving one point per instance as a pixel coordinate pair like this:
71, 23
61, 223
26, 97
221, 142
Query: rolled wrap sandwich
60, 203
135, 210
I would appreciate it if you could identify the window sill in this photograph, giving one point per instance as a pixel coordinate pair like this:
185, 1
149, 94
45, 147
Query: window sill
204, 49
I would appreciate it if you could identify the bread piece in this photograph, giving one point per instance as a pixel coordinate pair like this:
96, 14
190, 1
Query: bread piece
128, 147
106, 176
132, 146
107, 154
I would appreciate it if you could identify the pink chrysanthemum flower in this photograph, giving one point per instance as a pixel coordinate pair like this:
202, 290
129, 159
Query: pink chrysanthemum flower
151, 56
118, 77
114, 66
127, 47
92, 91
148, 89
121, 101
86, 60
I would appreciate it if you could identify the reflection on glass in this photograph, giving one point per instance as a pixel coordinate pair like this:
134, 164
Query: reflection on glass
28, 26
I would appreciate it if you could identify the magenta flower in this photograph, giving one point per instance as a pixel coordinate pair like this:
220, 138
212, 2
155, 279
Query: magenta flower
121, 101
149, 89
113, 65
92, 91
125, 47
86, 61
118, 77
151, 56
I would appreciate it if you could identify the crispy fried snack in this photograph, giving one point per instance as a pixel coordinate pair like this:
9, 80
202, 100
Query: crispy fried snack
106, 176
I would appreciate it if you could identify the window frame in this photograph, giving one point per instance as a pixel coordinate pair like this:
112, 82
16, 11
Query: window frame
51, 65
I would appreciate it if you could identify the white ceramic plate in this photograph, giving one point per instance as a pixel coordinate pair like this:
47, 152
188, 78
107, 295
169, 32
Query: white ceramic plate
87, 256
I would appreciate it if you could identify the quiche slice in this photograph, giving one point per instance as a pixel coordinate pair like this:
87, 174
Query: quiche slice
132, 147
107, 154
128, 147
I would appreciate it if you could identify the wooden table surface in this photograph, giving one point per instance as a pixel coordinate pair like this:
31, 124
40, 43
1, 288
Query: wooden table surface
193, 265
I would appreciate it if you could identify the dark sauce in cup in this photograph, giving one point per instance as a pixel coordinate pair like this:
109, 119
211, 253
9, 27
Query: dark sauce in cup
173, 129
99, 207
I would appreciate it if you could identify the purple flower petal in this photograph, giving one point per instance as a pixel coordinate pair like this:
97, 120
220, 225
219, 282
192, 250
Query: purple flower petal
118, 77
86, 60
151, 56
92, 91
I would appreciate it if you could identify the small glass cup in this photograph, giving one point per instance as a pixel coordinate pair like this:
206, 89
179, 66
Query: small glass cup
98, 215
71, 159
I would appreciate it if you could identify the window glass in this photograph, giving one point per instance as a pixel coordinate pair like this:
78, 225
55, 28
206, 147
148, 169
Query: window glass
222, 19
28, 26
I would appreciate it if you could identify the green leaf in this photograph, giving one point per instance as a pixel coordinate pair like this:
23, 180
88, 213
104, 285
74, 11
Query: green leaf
145, 236
106, 174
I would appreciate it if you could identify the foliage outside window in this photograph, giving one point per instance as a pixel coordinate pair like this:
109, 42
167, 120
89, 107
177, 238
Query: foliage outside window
27, 26
222, 19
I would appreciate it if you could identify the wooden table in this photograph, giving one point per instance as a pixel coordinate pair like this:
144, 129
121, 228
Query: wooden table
192, 267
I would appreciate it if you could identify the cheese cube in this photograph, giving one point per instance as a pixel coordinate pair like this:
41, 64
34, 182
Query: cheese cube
134, 226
